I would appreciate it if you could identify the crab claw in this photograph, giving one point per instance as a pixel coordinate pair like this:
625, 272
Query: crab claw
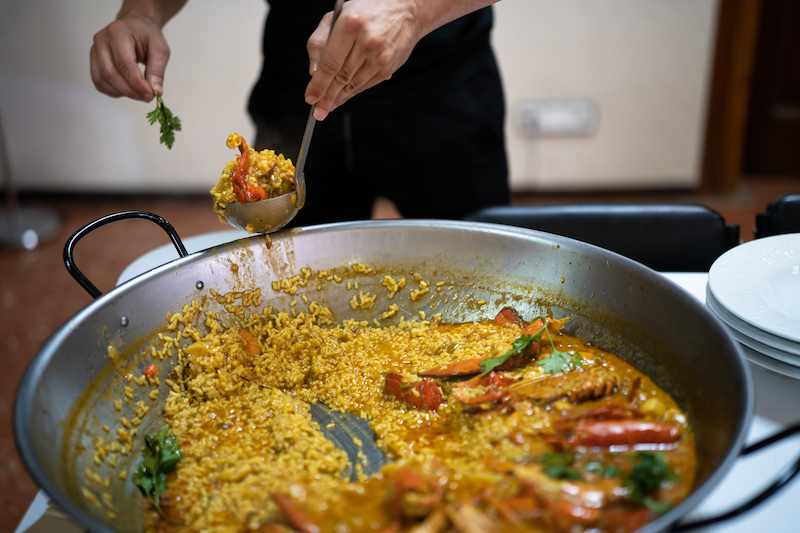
462, 368
244, 190
507, 315
294, 515
423, 394
412, 494
473, 366
494, 384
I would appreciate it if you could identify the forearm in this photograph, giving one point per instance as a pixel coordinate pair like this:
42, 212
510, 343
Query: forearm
157, 11
371, 40
433, 14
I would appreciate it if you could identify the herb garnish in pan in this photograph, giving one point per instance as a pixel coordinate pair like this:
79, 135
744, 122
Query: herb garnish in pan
160, 456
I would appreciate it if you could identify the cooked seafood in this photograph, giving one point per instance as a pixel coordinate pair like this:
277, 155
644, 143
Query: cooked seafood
490, 426
252, 176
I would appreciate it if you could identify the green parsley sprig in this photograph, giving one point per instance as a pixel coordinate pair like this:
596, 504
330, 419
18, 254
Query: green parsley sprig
648, 473
646, 477
559, 361
559, 466
602, 469
169, 123
517, 347
160, 456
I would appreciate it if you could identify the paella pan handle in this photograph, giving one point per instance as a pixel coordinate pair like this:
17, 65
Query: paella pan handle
69, 248
783, 478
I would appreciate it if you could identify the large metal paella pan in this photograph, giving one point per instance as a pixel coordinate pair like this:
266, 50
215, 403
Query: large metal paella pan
68, 391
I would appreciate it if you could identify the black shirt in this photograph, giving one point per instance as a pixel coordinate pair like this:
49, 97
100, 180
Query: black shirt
439, 62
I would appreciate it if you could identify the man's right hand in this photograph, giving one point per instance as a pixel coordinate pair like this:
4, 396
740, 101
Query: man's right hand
116, 53
135, 37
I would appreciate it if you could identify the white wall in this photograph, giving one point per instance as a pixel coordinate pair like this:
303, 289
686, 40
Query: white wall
644, 62
64, 135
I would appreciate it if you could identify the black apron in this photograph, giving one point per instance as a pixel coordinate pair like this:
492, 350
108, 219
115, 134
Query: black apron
430, 139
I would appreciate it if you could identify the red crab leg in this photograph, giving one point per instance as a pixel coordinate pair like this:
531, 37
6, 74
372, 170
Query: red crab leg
493, 380
423, 394
604, 433
294, 515
244, 191
463, 368
606, 412
507, 315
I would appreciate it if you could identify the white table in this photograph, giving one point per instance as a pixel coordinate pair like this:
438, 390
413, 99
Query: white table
777, 404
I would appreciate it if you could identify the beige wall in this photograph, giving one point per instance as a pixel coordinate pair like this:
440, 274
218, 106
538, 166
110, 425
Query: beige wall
644, 62
646, 65
64, 135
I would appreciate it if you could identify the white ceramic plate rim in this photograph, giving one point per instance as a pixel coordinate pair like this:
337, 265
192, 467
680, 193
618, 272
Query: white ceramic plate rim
737, 277
755, 336
763, 349
165, 254
769, 363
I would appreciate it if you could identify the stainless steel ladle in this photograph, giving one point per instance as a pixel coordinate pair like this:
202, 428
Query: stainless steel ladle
267, 216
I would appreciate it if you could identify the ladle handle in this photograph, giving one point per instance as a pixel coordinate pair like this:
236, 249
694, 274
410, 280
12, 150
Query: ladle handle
301, 156
69, 248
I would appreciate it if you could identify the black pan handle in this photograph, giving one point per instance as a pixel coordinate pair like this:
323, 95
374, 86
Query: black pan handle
784, 477
69, 248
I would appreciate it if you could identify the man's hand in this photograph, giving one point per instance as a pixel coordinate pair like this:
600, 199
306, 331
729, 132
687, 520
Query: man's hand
135, 37
371, 40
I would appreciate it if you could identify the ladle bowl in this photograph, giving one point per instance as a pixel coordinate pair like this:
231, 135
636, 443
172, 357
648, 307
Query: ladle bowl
266, 216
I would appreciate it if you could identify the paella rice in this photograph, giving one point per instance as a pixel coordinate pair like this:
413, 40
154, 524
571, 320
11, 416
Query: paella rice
530, 441
251, 176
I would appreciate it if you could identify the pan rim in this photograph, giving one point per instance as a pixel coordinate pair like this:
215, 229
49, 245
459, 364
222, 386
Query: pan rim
27, 389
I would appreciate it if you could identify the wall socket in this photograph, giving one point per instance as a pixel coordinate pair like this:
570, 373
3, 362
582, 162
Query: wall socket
555, 117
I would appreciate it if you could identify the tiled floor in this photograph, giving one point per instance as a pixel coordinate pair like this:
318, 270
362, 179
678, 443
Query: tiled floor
37, 294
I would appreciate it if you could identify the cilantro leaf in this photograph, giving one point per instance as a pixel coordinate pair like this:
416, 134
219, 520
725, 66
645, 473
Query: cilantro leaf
648, 473
659, 507
601, 469
160, 456
168, 122
517, 347
559, 466
555, 363
559, 361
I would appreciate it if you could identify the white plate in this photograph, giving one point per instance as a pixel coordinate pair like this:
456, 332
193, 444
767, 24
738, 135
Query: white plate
763, 349
759, 283
754, 337
769, 363
165, 254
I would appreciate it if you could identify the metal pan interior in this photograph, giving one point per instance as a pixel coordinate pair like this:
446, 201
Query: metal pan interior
67, 394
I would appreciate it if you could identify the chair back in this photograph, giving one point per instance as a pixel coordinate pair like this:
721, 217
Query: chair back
782, 216
665, 237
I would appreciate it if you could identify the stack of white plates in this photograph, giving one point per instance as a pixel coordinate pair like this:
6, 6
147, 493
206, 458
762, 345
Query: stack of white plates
754, 289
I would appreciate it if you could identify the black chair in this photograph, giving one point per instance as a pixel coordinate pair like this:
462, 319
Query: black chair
782, 216
665, 237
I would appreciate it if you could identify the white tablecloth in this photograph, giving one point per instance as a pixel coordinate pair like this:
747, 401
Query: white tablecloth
777, 404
